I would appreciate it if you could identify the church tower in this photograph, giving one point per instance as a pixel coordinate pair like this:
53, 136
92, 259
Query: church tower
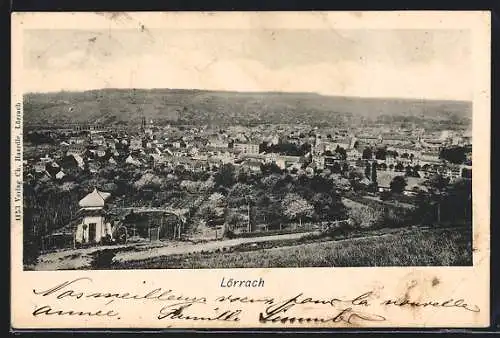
143, 124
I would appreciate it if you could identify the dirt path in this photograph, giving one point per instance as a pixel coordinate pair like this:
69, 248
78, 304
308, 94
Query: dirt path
184, 248
103, 257
83, 258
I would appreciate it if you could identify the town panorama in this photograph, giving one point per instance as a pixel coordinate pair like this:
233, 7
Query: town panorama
244, 180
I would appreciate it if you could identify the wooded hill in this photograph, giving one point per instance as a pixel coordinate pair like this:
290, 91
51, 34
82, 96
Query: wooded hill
182, 106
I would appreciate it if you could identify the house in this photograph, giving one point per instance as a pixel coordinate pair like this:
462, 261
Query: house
247, 148
76, 140
101, 151
319, 162
452, 172
272, 140
322, 146
135, 144
181, 161
156, 159
46, 159
309, 170
253, 165
92, 225
60, 175
98, 139
432, 143
111, 144
413, 184
429, 157
224, 157
39, 167
342, 143
76, 149
353, 154
390, 159
79, 160
391, 139
369, 139
216, 142
133, 161
94, 167
290, 161
467, 137
192, 151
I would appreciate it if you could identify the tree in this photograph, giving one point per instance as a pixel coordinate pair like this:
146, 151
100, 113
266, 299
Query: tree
342, 152
240, 194
355, 174
466, 173
367, 153
437, 185
385, 195
294, 206
270, 168
374, 174
363, 216
336, 168
456, 155
213, 208
399, 167
345, 168
225, 176
398, 184
408, 170
380, 154
148, 181
367, 170
458, 203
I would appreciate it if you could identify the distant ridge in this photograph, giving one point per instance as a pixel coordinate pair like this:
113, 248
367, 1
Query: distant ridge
193, 106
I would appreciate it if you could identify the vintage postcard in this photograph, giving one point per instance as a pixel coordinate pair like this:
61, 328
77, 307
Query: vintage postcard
250, 170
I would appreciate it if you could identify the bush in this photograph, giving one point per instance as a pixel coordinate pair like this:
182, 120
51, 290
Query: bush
385, 195
397, 217
340, 229
228, 233
363, 216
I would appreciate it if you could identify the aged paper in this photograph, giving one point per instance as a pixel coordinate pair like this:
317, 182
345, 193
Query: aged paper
250, 170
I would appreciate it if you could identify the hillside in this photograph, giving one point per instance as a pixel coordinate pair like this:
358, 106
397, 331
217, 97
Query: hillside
205, 107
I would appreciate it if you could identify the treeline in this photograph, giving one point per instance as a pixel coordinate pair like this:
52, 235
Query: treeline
276, 197
46, 208
285, 148
456, 155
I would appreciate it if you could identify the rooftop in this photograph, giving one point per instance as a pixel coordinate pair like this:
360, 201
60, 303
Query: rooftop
95, 199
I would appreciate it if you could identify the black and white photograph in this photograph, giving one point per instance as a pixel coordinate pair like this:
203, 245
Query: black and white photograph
173, 148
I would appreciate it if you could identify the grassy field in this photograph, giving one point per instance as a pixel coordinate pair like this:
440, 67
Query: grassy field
416, 247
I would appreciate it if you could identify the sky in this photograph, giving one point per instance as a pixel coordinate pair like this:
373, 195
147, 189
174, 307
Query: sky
427, 64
